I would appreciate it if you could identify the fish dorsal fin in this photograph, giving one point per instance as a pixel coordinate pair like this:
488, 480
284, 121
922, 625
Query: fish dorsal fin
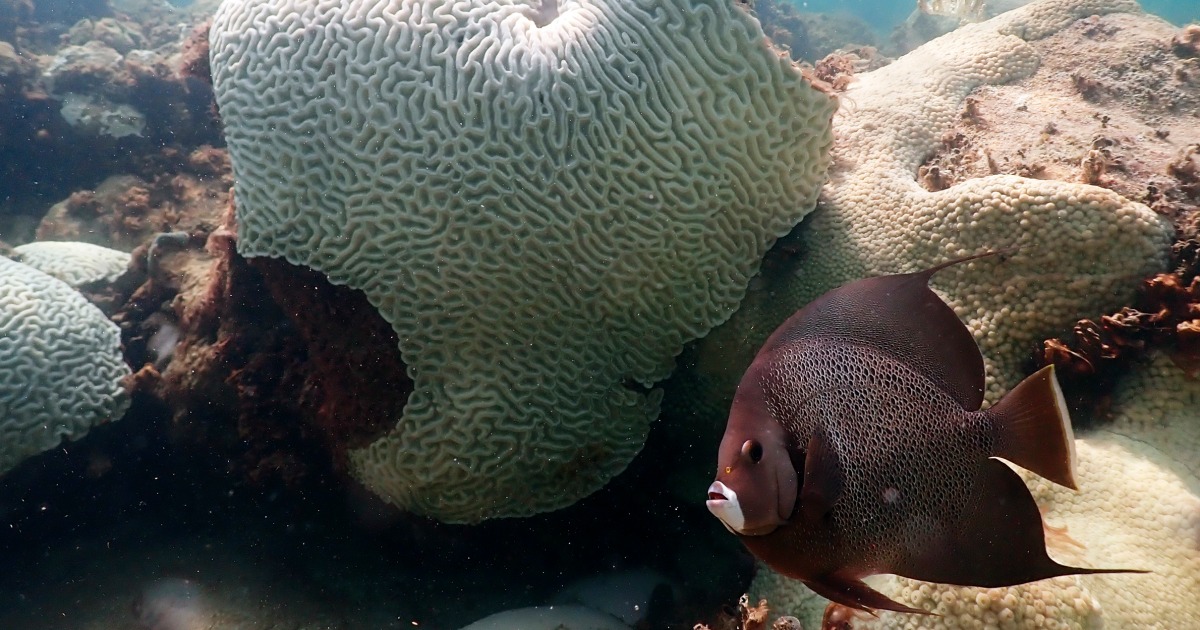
999, 541
902, 317
822, 483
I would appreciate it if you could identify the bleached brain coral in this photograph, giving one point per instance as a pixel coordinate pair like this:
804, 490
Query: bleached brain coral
73, 262
1082, 249
544, 200
60, 364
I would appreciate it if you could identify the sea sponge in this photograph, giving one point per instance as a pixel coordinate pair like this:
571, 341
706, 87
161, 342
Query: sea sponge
73, 262
1081, 249
60, 364
544, 200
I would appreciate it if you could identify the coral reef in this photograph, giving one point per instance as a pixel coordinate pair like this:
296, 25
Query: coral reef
543, 241
785, 26
1113, 104
1122, 125
1080, 249
810, 36
179, 193
231, 380
888, 206
61, 369
1166, 316
83, 103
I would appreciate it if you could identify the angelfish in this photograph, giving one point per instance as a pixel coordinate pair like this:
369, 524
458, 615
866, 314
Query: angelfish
856, 446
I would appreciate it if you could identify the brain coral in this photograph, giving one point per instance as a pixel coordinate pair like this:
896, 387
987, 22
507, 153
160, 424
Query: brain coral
1082, 249
545, 201
60, 364
73, 262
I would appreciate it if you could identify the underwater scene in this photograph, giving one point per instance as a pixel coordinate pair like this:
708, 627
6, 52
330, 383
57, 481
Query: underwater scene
599, 314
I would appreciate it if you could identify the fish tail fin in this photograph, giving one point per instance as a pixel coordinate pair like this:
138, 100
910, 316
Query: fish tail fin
1033, 428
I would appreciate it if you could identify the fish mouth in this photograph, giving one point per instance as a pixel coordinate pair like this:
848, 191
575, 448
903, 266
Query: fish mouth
722, 502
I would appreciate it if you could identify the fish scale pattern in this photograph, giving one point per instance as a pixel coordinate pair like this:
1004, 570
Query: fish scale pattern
915, 441
60, 364
545, 200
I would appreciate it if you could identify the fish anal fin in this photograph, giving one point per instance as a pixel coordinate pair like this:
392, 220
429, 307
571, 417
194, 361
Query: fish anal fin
854, 593
1033, 428
998, 542
822, 483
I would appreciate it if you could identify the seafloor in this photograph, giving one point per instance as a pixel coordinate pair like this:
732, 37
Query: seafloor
217, 502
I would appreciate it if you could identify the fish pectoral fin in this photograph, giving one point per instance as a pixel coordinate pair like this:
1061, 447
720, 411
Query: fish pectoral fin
822, 483
854, 593
999, 541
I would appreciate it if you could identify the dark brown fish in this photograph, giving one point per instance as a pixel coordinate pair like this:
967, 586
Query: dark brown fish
856, 446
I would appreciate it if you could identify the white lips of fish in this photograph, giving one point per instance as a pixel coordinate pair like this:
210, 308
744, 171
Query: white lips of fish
727, 509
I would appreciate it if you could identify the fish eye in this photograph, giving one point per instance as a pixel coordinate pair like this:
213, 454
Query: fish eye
753, 450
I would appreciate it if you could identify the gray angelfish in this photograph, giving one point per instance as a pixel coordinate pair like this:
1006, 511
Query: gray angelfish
855, 446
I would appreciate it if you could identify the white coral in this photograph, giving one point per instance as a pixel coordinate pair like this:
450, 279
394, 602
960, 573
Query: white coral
60, 364
545, 200
1082, 249
73, 262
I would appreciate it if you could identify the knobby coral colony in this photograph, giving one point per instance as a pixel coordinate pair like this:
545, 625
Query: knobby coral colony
1080, 246
1165, 313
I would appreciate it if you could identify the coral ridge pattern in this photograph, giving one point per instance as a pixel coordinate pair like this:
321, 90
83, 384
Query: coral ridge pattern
545, 200
61, 368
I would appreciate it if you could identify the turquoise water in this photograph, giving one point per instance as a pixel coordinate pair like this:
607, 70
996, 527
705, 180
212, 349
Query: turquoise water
884, 15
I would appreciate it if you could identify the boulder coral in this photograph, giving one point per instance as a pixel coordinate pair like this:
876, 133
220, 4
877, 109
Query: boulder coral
1079, 249
546, 200
61, 369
